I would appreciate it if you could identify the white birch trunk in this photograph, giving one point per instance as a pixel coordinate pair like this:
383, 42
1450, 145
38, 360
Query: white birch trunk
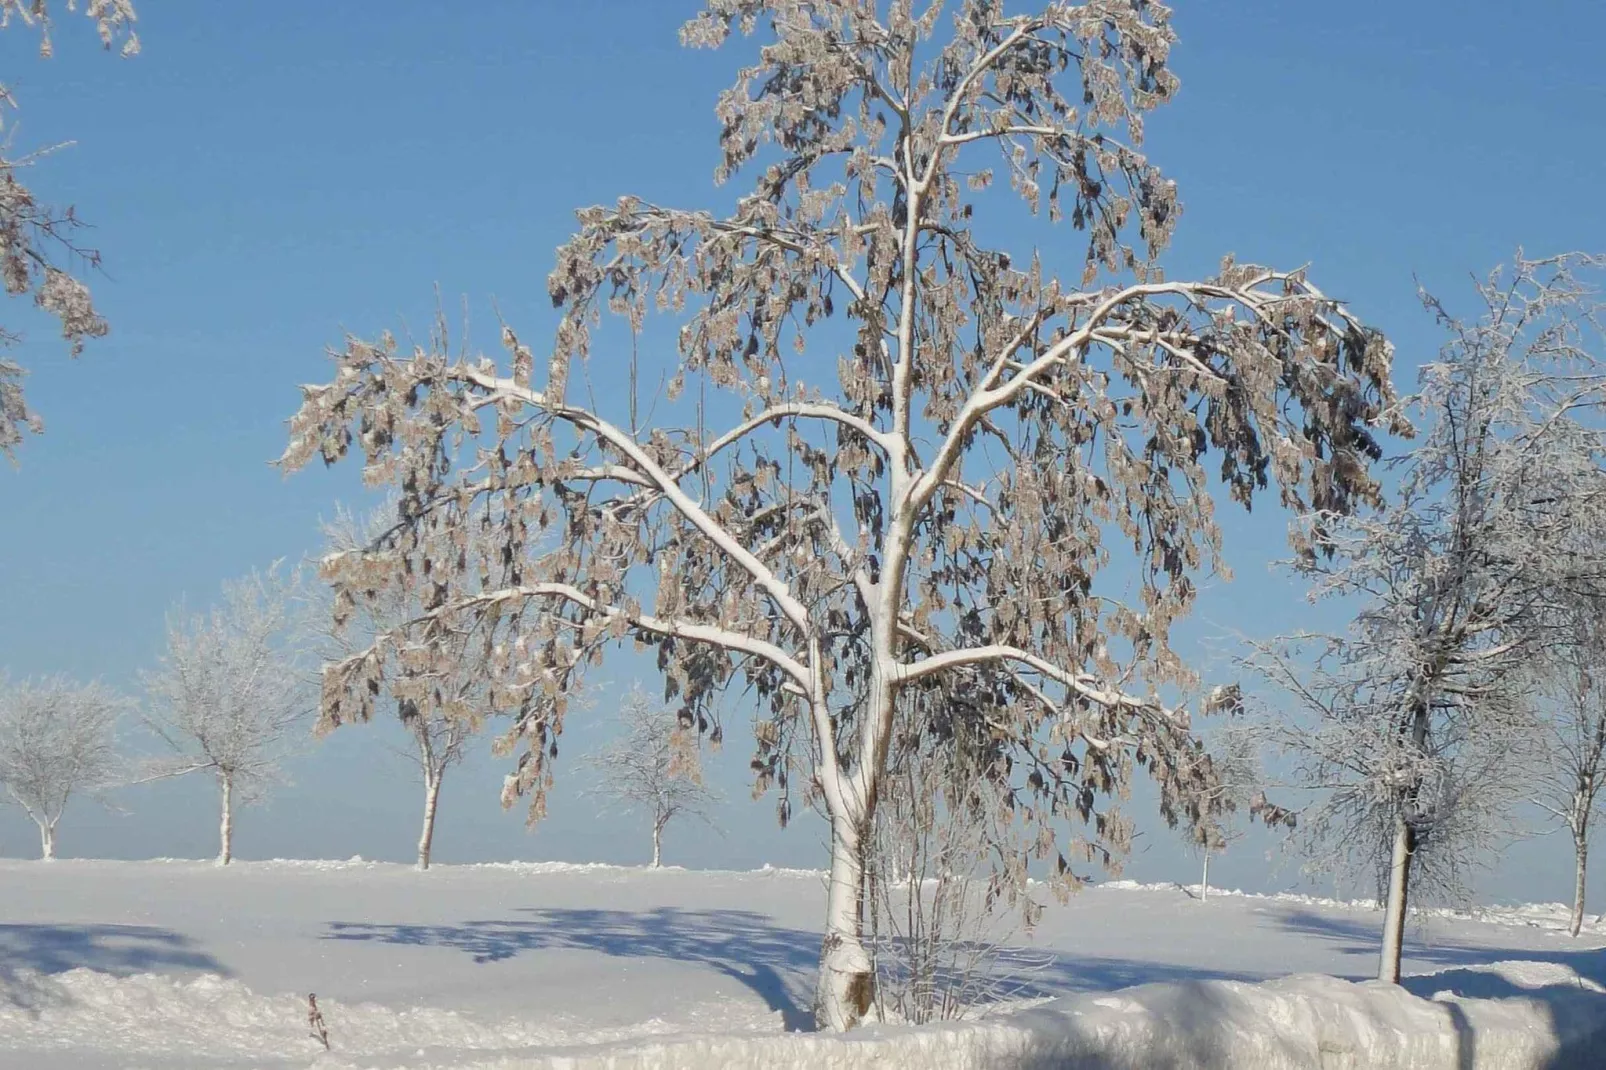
47, 841
846, 986
657, 843
426, 836
225, 832
1204, 878
1394, 906
1581, 865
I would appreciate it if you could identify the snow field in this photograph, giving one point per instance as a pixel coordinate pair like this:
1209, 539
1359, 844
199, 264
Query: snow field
184, 965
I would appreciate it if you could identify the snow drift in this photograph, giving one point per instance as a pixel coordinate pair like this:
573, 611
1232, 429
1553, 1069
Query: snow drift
1546, 1016
1510, 1016
186, 965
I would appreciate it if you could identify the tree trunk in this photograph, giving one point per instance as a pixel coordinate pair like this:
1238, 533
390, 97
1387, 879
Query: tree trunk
225, 832
432, 798
1399, 875
657, 843
846, 985
47, 841
1204, 878
1581, 865
1394, 905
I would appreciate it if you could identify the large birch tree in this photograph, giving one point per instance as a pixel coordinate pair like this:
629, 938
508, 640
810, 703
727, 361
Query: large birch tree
891, 456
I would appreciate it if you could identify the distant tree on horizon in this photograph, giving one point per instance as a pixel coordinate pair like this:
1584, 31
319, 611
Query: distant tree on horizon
653, 768
232, 694
458, 682
58, 740
1234, 749
1573, 749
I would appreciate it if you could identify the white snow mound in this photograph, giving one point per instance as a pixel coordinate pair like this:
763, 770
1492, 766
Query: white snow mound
1545, 1016
1554, 1019
86, 1018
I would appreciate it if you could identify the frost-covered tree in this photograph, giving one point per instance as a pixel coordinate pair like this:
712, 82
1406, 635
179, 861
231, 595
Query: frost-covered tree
1234, 750
1424, 713
58, 739
231, 695
39, 251
890, 454
459, 681
1455, 787
1568, 784
653, 768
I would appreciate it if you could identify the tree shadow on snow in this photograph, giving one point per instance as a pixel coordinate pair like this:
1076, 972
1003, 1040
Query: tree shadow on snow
1072, 973
775, 963
1364, 939
31, 954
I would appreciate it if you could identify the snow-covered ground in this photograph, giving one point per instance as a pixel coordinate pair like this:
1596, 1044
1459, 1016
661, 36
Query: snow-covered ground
183, 964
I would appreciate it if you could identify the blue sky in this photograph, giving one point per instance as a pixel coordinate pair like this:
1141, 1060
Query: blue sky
265, 177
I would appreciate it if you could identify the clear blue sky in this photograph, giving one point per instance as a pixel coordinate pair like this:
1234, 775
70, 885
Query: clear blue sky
265, 177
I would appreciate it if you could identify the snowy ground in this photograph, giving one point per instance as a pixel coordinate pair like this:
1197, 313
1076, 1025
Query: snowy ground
183, 964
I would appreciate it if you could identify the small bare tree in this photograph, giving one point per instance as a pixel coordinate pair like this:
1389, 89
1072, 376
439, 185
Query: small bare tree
1424, 720
1234, 749
889, 453
58, 739
1336, 725
654, 768
459, 681
1568, 785
37, 243
438, 744
231, 695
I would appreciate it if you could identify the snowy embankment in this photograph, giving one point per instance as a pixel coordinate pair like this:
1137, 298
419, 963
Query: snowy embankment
181, 965
1546, 1017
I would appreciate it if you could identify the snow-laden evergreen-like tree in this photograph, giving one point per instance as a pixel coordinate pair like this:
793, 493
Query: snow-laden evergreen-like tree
38, 248
1425, 721
653, 768
58, 739
231, 695
459, 685
889, 454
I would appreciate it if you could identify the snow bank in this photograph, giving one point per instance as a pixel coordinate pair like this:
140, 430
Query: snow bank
1544, 1015
1548, 1017
79, 1017
185, 966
